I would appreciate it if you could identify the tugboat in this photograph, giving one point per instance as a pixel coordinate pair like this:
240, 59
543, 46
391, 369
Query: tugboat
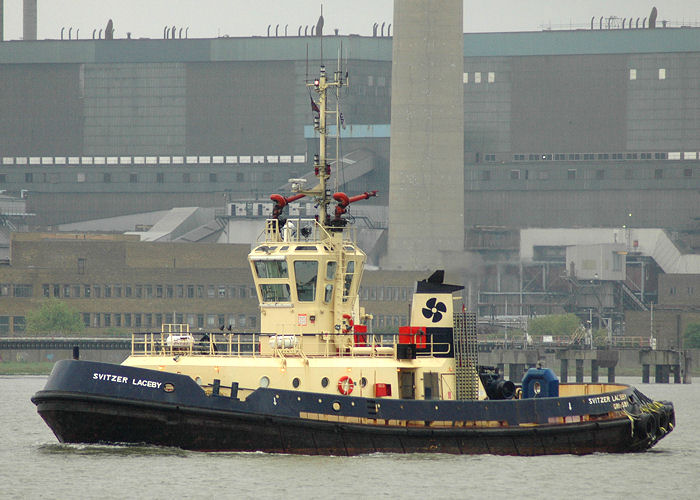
316, 381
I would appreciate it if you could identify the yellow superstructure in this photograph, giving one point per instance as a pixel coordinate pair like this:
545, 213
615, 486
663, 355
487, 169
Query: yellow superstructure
313, 334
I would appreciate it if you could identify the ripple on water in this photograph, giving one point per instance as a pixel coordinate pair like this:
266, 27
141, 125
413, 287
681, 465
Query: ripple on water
44, 468
124, 449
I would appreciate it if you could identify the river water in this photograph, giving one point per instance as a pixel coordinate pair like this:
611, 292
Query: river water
34, 465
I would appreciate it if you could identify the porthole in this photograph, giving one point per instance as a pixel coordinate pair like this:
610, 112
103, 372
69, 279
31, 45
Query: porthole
363, 382
264, 382
336, 405
536, 388
324, 382
296, 382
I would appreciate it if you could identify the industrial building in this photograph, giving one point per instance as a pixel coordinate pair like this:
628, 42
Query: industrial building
119, 283
597, 130
561, 128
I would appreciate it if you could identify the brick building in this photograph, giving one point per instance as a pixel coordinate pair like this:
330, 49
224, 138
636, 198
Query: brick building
117, 282
120, 284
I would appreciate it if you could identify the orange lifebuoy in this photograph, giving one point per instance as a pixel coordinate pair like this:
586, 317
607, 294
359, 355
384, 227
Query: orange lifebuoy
345, 385
350, 323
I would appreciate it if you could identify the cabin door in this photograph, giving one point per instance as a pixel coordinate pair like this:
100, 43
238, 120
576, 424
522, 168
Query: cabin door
431, 388
407, 384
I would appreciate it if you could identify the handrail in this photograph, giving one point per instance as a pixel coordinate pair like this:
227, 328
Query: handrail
520, 342
287, 345
291, 232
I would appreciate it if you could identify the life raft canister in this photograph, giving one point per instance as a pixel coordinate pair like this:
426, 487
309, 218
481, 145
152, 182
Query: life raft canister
345, 385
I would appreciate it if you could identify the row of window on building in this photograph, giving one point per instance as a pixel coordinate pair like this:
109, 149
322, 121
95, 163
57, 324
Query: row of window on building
659, 155
490, 76
661, 73
132, 177
208, 322
176, 291
16, 290
380, 81
386, 321
12, 324
674, 291
572, 174
137, 291
151, 160
388, 293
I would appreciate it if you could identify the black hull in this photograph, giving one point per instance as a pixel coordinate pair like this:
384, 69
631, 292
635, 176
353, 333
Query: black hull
94, 420
81, 417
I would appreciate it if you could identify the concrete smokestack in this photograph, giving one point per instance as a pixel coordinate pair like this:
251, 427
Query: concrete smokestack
29, 18
426, 199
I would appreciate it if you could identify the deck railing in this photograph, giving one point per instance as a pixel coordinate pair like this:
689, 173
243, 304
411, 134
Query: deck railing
270, 345
299, 230
562, 342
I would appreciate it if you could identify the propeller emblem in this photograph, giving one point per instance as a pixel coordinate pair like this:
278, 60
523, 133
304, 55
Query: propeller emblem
434, 309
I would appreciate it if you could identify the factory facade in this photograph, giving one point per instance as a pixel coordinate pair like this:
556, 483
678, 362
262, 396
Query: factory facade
583, 129
595, 128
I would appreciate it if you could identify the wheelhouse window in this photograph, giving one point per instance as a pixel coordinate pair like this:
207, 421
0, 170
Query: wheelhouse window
349, 275
330, 270
275, 293
271, 268
306, 272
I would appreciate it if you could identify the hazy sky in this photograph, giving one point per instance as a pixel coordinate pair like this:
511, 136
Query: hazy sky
211, 18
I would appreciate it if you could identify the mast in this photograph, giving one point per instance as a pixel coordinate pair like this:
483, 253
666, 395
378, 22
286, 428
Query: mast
322, 168
338, 122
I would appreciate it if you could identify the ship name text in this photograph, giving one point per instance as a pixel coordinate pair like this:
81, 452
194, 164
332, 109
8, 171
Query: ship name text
110, 378
612, 398
120, 379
